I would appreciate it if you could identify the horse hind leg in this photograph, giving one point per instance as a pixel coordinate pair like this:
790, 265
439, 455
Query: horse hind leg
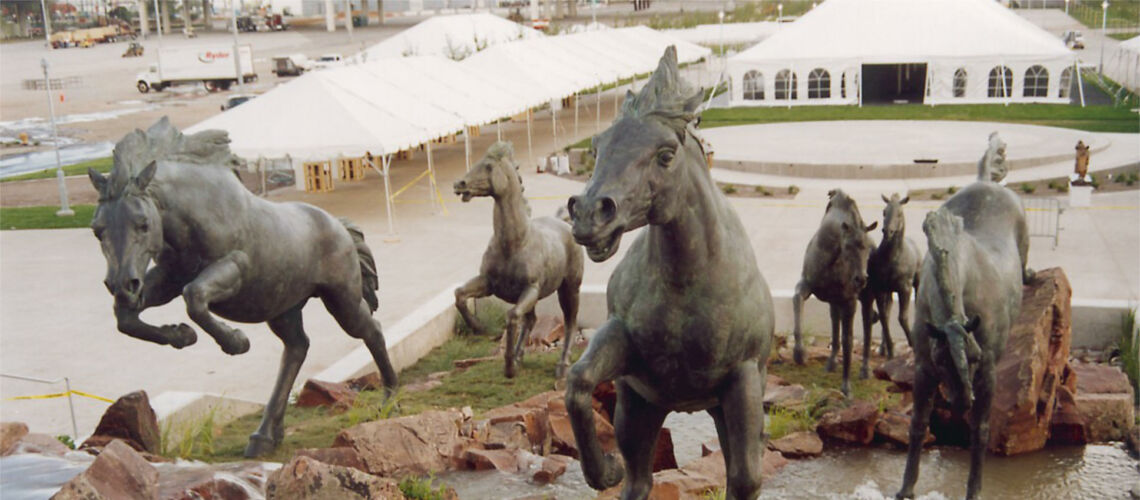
568, 299
801, 294
637, 424
885, 303
848, 318
353, 315
289, 328
904, 316
515, 316
868, 308
524, 335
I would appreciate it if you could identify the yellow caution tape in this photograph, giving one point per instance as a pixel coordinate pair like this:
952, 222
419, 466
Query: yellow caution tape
60, 395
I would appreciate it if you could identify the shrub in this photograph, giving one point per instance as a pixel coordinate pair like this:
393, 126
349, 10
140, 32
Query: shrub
1094, 182
1028, 188
952, 190
936, 196
66, 440
793, 190
729, 189
422, 489
492, 316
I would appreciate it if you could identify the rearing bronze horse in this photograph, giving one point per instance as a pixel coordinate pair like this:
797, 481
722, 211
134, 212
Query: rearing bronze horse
690, 317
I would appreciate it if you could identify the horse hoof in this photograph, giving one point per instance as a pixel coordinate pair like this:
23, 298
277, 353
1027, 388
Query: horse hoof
181, 335
846, 389
798, 355
237, 344
864, 373
830, 366
259, 445
613, 471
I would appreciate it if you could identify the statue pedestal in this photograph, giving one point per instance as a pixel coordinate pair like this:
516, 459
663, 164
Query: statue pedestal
1080, 196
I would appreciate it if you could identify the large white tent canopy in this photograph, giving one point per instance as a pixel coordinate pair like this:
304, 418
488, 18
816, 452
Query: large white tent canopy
1129, 54
953, 45
453, 36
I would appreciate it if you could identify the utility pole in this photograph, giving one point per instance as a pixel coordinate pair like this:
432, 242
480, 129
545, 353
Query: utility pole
64, 208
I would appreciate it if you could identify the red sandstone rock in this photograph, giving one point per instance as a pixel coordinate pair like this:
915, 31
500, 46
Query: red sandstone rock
1109, 416
130, 419
546, 331
552, 468
1100, 379
367, 382
415, 445
10, 434
304, 478
605, 399
226, 481
854, 424
798, 445
500, 460
340, 456
534, 422
899, 371
118, 472
463, 364
41, 444
894, 427
663, 457
1068, 426
563, 442
783, 395
321, 393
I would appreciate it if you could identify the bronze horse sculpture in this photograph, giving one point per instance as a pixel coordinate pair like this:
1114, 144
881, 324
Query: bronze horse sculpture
835, 271
969, 295
690, 316
176, 200
892, 268
525, 261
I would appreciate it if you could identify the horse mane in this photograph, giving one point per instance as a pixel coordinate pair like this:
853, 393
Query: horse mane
666, 96
164, 142
991, 167
503, 153
942, 228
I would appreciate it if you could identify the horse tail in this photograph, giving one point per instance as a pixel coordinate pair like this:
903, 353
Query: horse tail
369, 280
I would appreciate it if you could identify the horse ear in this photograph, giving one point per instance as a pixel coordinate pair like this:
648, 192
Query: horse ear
831, 193
872, 226
884, 197
973, 323
694, 102
97, 179
142, 180
904, 200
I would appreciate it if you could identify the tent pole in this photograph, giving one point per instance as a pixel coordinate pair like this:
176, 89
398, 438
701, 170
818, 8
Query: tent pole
575, 115
431, 175
261, 168
386, 161
529, 144
926, 88
467, 147
1080, 84
554, 124
859, 87
598, 111
499, 129
1006, 93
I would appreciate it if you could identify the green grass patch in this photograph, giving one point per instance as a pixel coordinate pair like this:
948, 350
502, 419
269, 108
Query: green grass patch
745, 12
103, 165
1124, 36
1121, 14
784, 421
424, 488
44, 217
1091, 118
818, 381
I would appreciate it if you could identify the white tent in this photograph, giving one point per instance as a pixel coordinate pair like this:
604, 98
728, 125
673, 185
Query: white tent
730, 33
1129, 54
929, 51
453, 36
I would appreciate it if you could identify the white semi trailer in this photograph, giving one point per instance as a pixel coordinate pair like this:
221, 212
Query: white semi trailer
213, 66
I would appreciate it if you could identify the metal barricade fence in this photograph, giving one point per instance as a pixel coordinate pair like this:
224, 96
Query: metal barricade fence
67, 393
1043, 216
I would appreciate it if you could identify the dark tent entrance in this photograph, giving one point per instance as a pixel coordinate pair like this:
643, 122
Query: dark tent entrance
893, 83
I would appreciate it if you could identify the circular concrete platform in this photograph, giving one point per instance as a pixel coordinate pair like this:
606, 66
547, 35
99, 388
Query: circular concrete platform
887, 149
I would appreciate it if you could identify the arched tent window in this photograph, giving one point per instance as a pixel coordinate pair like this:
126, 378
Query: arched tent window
999, 86
753, 86
786, 83
1065, 83
1036, 82
819, 84
960, 82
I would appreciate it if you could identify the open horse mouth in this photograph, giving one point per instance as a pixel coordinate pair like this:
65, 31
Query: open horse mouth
465, 194
604, 246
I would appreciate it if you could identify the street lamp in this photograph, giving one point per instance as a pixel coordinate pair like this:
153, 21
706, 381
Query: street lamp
1066, 7
720, 16
47, 24
780, 13
64, 208
1103, 32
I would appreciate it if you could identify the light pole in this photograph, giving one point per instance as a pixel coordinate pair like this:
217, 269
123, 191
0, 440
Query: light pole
64, 208
779, 13
158, 26
47, 24
720, 16
1103, 32
237, 49
1066, 7
594, 13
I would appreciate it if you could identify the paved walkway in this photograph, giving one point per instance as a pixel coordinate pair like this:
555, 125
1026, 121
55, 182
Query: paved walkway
55, 315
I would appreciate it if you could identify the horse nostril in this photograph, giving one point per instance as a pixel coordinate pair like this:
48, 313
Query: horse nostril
608, 209
134, 286
460, 184
107, 284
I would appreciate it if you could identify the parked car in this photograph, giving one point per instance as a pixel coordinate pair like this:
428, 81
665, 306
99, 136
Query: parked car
1073, 39
236, 100
292, 65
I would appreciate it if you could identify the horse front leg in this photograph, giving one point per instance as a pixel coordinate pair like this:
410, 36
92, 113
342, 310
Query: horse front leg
904, 315
740, 426
288, 327
924, 387
217, 282
835, 314
605, 359
848, 311
637, 423
524, 306
980, 427
474, 288
568, 299
885, 303
801, 294
867, 301
158, 289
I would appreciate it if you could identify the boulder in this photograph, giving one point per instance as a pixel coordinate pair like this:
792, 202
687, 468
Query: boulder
546, 331
783, 395
130, 419
663, 457
1032, 366
422, 386
552, 468
41, 444
507, 435
415, 445
227, 481
898, 371
893, 427
1132, 441
500, 460
801, 444
1068, 426
118, 472
341, 457
304, 478
10, 434
533, 420
1100, 379
320, 393
853, 425
367, 382
562, 435
1108, 416
463, 364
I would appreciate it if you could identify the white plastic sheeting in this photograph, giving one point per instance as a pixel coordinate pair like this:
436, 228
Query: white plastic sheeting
840, 36
454, 37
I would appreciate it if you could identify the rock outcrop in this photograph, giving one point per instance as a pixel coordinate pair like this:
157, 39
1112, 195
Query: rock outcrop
306, 479
130, 419
415, 445
10, 434
801, 444
321, 393
1104, 399
118, 472
852, 425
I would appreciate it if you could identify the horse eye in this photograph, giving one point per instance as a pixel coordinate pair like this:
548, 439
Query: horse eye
664, 158
143, 226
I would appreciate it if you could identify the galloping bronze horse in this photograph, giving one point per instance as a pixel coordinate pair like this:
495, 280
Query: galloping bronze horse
175, 200
690, 317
